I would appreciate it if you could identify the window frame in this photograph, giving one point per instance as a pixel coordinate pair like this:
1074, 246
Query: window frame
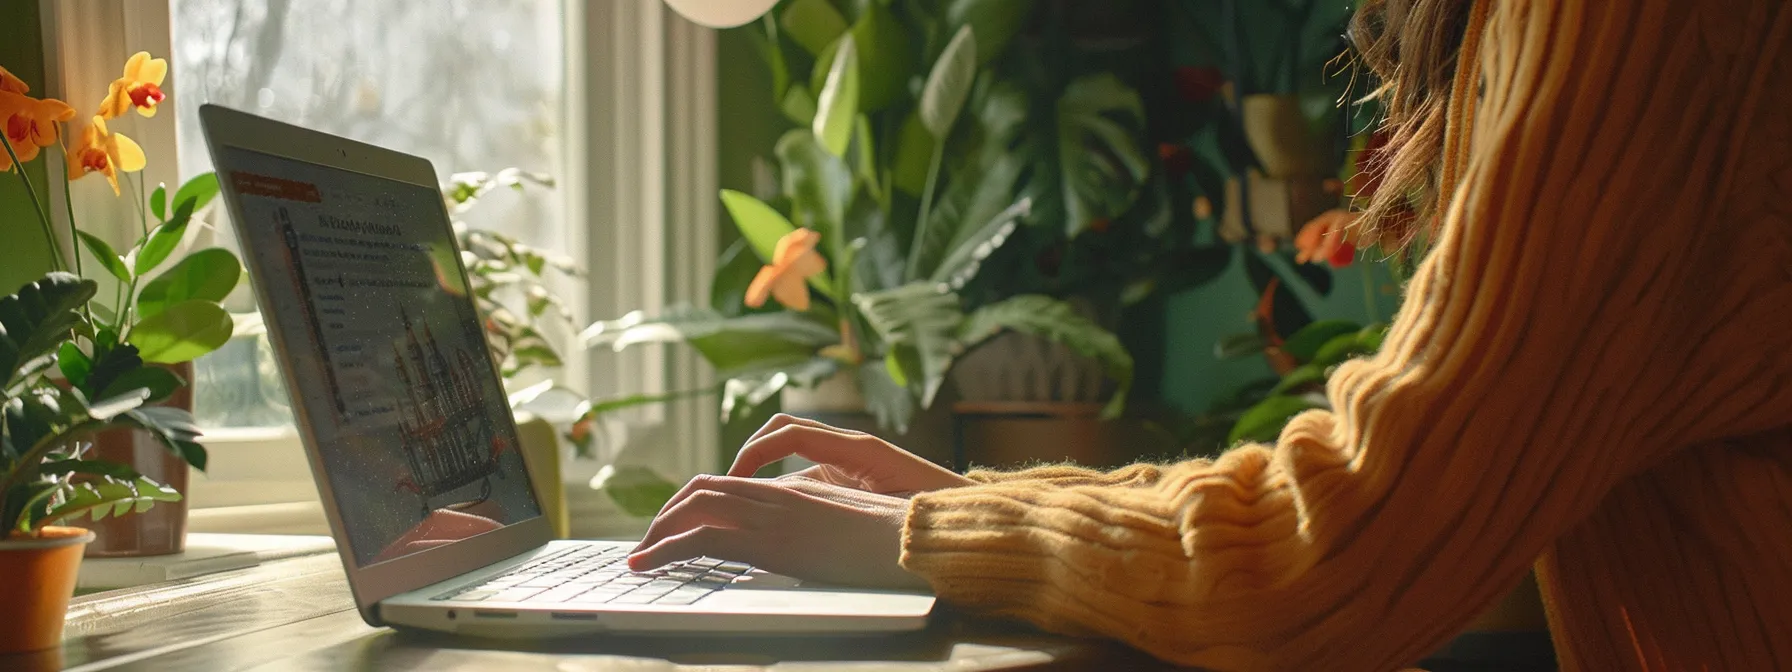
639, 122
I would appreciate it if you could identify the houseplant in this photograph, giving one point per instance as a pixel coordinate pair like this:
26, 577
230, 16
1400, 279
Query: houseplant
163, 309
891, 202
47, 472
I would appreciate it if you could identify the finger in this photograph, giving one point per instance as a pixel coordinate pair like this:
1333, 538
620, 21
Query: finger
746, 490
706, 508
822, 446
783, 420
715, 542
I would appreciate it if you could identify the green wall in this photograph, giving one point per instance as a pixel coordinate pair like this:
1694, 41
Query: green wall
24, 254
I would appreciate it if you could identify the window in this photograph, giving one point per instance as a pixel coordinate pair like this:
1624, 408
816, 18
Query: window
614, 99
470, 85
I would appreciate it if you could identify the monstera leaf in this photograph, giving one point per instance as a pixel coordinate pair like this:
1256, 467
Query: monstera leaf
919, 322
1100, 165
37, 319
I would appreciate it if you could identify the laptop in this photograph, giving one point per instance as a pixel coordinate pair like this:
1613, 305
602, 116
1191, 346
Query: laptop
406, 425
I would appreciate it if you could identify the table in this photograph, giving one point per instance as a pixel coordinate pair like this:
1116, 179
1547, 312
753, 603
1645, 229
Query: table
297, 614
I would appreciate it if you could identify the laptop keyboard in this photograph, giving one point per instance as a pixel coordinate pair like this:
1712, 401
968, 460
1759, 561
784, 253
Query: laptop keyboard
600, 575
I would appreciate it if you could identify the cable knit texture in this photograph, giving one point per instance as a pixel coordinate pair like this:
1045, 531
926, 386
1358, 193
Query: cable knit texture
1590, 375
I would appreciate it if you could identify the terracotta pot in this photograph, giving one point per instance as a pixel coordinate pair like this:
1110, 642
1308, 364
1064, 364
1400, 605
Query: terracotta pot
162, 530
37, 579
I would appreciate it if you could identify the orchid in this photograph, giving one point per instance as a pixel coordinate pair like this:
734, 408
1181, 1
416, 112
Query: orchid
140, 87
102, 151
794, 262
29, 123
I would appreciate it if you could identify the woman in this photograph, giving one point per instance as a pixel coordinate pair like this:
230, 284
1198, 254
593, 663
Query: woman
1592, 376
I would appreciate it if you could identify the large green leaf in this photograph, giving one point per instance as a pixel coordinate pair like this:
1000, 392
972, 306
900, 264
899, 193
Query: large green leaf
207, 275
968, 252
812, 24
995, 22
918, 323
1303, 345
886, 398
198, 191
174, 427
914, 147
37, 319
735, 269
182, 332
1102, 165
105, 496
638, 491
743, 342
885, 56
1264, 422
103, 253
949, 84
164, 238
837, 104
111, 361
158, 202
817, 182
1058, 322
746, 390
159, 382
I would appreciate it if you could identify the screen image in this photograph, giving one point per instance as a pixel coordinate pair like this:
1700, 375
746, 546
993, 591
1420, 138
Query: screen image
360, 278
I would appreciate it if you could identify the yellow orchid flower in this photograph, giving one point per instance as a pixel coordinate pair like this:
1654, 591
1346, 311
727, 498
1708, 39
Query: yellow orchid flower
28, 123
140, 87
793, 262
104, 152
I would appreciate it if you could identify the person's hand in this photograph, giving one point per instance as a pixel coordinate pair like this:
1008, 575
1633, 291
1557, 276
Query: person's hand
799, 527
843, 457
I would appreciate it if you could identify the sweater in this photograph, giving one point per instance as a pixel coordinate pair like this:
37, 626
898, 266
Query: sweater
1589, 378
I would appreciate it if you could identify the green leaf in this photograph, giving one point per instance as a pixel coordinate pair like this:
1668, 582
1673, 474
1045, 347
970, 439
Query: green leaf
198, 191
798, 105
73, 363
164, 238
1102, 165
638, 491
110, 407
1238, 346
182, 332
949, 84
1264, 422
914, 147
922, 318
161, 383
864, 151
207, 275
762, 227
746, 391
887, 397
89, 467
158, 202
1304, 344
885, 57
110, 362
745, 342
37, 319
107, 496
1058, 322
995, 22
734, 272
818, 183
813, 24
977, 243
108, 258
838, 102
1301, 376
173, 427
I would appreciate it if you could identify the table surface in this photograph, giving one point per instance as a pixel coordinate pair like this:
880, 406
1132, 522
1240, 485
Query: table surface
298, 614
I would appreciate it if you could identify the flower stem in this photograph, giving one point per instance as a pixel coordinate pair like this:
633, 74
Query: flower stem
43, 217
933, 174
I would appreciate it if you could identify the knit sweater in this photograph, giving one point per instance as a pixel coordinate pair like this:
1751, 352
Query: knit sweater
1589, 377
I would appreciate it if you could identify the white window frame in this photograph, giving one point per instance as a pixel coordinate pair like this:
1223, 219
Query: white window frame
640, 168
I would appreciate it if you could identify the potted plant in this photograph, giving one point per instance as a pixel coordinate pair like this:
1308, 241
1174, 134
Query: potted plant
858, 277
47, 472
164, 308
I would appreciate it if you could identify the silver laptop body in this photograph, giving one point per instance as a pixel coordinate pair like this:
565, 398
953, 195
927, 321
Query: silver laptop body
405, 422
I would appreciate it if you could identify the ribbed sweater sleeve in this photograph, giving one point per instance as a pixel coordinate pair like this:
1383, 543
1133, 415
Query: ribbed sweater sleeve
1547, 350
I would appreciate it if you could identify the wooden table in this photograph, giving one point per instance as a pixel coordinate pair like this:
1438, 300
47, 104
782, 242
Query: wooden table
298, 615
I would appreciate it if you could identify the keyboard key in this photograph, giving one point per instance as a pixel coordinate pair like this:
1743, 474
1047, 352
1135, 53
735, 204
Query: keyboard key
593, 597
636, 597
682, 596
713, 580
734, 567
544, 582
684, 574
706, 563
632, 579
474, 595
513, 594
560, 594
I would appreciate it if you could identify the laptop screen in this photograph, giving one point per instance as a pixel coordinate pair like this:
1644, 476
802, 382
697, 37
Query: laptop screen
360, 278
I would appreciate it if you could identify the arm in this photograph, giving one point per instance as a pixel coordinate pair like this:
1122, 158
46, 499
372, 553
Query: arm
1545, 353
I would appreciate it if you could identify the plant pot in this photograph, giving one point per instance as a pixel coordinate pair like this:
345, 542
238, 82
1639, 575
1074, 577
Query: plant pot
39, 579
1016, 367
1278, 132
162, 530
837, 401
1008, 435
1279, 207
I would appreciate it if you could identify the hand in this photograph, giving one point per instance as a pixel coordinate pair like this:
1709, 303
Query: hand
843, 457
798, 527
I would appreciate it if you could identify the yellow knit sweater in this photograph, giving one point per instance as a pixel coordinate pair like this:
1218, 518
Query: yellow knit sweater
1592, 375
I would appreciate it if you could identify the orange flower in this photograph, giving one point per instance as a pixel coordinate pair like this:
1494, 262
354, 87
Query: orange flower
793, 262
1327, 239
104, 152
140, 87
29, 123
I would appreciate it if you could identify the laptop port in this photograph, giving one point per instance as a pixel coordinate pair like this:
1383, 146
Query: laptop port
494, 614
563, 616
